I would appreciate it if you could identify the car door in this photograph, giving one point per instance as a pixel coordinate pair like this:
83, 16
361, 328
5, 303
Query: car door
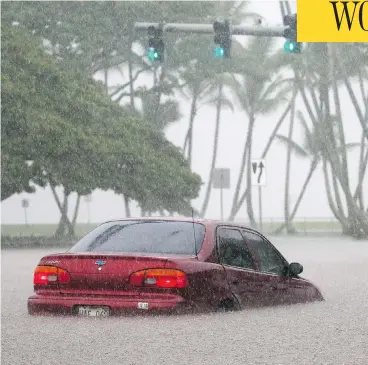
272, 270
238, 263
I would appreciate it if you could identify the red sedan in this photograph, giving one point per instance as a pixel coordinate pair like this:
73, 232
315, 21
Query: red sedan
170, 265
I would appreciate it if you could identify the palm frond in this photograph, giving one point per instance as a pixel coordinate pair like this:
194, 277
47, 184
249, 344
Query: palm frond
352, 145
298, 150
225, 102
307, 132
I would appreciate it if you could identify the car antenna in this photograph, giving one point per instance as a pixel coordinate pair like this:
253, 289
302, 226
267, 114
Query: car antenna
194, 234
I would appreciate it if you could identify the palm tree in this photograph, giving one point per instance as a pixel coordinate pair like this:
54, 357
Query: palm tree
318, 76
220, 101
199, 87
312, 149
356, 221
199, 73
258, 94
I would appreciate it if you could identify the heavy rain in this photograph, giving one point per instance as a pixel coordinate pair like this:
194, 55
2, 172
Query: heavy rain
222, 120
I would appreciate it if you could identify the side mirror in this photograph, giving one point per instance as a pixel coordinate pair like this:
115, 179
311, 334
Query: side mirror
295, 269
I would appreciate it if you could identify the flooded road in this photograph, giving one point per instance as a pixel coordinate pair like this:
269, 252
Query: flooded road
332, 332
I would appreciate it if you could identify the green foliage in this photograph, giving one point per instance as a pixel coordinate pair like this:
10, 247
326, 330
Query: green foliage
91, 34
77, 137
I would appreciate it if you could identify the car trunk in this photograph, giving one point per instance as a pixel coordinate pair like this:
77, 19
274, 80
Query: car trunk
103, 274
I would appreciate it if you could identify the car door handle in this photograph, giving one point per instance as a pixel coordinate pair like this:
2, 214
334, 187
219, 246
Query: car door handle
236, 282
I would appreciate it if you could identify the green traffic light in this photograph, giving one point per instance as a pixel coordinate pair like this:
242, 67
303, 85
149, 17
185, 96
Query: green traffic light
291, 47
219, 52
153, 55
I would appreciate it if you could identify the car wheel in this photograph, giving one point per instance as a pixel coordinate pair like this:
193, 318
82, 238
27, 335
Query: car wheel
227, 305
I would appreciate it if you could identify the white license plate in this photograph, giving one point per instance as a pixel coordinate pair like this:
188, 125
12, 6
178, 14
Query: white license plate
142, 305
93, 311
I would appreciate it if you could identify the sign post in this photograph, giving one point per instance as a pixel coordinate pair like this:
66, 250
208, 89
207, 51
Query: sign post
25, 205
259, 179
221, 180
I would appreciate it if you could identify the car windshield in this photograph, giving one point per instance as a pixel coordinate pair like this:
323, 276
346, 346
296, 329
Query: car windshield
167, 237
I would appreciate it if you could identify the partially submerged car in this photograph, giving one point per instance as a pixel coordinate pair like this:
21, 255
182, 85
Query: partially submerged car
167, 265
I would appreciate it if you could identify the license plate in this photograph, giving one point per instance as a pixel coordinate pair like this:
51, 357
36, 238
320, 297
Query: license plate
142, 305
85, 311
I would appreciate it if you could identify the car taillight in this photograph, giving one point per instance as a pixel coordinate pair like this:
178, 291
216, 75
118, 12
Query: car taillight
159, 278
45, 275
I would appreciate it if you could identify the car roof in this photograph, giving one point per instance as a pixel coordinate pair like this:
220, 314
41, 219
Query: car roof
207, 222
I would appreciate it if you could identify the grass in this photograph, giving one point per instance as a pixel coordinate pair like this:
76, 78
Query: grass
47, 230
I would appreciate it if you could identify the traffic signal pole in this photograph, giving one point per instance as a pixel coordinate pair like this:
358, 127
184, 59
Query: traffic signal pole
249, 30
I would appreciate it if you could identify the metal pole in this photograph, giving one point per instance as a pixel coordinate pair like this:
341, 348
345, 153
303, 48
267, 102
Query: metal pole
260, 208
25, 216
250, 30
222, 196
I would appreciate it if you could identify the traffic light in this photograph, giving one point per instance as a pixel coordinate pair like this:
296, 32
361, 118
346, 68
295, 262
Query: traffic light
222, 38
290, 33
156, 45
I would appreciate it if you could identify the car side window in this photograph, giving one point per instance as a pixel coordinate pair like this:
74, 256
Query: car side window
233, 249
269, 259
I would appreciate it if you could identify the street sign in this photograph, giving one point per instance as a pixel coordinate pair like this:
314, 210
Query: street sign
25, 203
259, 170
221, 178
25, 206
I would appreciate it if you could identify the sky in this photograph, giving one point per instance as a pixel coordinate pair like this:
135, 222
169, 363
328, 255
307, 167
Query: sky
107, 205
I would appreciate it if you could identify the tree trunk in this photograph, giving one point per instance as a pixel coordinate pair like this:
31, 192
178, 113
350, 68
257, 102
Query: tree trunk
130, 67
241, 172
338, 214
185, 143
75, 215
193, 112
289, 228
106, 80
65, 226
214, 151
336, 189
132, 100
355, 102
362, 170
62, 228
250, 210
158, 84
127, 207
312, 169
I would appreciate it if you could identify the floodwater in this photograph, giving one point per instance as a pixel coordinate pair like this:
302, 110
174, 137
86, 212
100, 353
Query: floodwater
332, 332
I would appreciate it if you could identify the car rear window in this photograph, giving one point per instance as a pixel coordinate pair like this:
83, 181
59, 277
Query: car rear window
167, 237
